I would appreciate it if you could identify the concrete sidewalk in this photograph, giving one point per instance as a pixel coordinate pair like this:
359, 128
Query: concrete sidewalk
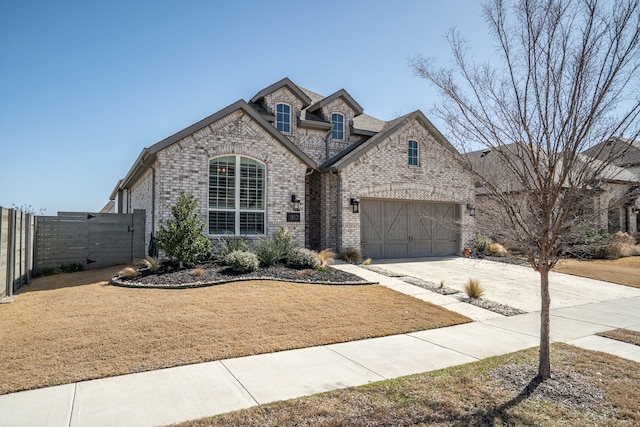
189, 392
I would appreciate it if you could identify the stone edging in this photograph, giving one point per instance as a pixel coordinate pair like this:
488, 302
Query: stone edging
115, 281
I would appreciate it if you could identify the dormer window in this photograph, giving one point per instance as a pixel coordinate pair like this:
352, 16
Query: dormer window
283, 118
337, 130
412, 150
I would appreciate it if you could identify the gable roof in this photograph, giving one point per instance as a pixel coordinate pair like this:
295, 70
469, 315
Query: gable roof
306, 101
148, 154
339, 94
626, 151
355, 151
485, 162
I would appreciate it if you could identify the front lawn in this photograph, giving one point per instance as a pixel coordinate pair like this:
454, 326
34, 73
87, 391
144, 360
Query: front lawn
73, 327
623, 271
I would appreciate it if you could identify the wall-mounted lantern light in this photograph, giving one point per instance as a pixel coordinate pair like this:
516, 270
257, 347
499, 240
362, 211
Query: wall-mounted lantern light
355, 205
295, 203
471, 209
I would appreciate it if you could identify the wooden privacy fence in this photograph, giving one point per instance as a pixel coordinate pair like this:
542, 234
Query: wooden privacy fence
93, 240
17, 231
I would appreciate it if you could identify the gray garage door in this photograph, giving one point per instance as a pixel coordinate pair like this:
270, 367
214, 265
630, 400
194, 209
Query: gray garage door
397, 229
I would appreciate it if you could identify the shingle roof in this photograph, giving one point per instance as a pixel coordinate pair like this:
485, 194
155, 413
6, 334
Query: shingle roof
627, 151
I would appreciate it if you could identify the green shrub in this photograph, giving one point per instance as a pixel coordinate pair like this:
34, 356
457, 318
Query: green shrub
473, 288
182, 237
302, 258
223, 246
275, 249
71, 267
590, 235
242, 261
481, 244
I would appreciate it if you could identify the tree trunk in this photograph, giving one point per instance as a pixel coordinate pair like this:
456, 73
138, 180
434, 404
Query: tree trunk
544, 365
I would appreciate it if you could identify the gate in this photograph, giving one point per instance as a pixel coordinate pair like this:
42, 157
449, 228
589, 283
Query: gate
94, 240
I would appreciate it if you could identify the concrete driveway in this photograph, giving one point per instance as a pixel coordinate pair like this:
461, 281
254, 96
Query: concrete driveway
512, 285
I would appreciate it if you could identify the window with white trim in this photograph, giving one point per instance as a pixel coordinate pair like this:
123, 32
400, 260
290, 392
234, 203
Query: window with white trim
412, 150
283, 117
337, 129
236, 196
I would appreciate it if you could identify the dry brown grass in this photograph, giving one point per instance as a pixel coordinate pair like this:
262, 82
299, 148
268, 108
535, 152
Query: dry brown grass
624, 271
586, 388
75, 327
624, 335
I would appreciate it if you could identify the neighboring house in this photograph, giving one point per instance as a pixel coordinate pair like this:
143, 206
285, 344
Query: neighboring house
622, 201
316, 165
612, 204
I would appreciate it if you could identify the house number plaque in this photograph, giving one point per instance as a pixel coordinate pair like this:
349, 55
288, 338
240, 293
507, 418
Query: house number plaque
293, 216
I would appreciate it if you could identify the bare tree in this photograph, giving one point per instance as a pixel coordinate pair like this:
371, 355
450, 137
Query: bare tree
565, 77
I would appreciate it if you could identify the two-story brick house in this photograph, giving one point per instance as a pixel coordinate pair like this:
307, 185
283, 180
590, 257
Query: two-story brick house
317, 165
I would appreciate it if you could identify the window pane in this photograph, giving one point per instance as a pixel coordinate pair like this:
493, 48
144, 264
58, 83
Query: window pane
251, 223
222, 171
337, 131
283, 117
251, 184
221, 222
412, 151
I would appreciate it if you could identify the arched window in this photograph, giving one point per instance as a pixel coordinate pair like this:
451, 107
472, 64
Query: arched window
283, 118
412, 150
337, 130
236, 196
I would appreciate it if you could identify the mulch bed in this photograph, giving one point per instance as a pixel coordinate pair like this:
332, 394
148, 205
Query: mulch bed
212, 274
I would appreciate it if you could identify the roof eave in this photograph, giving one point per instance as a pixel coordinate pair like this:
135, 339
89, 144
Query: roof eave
314, 124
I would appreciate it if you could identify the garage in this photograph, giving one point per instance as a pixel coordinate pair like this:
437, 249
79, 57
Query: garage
406, 229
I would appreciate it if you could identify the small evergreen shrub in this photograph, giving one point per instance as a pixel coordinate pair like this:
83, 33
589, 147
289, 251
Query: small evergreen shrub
275, 249
473, 288
590, 235
303, 258
181, 238
223, 246
242, 261
481, 244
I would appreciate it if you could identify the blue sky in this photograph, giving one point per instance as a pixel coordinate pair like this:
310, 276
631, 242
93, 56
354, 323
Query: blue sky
85, 86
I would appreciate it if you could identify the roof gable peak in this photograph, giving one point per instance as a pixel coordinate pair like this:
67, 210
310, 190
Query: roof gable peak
339, 94
286, 82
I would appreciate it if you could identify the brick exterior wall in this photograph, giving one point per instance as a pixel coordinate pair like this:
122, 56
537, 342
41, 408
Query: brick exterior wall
184, 166
383, 173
